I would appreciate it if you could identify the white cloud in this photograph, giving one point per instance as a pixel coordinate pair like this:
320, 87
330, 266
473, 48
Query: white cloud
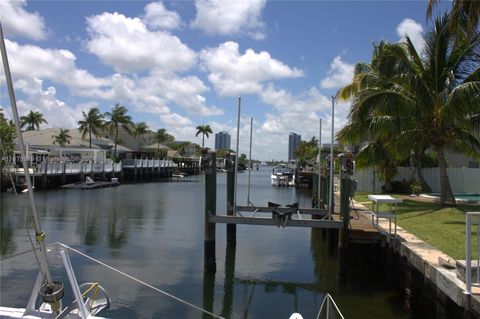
412, 29
158, 17
128, 46
174, 119
232, 73
340, 74
46, 102
30, 61
295, 113
230, 17
17, 21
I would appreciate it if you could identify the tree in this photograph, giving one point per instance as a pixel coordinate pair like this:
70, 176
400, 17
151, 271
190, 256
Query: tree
63, 138
204, 130
139, 130
440, 87
118, 117
162, 137
464, 14
7, 138
307, 151
32, 120
91, 123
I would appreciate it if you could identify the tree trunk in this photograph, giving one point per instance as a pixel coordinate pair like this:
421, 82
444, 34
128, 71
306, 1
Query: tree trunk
90, 137
203, 140
446, 193
418, 164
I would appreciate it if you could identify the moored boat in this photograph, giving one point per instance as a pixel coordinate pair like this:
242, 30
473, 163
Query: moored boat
282, 176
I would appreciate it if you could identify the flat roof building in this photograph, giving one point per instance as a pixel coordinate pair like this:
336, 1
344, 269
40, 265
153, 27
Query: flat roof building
293, 141
222, 141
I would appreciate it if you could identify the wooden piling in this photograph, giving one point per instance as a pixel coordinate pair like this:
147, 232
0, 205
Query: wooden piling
210, 169
231, 228
64, 172
228, 282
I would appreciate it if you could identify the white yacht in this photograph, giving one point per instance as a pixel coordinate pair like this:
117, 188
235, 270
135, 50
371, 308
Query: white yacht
282, 176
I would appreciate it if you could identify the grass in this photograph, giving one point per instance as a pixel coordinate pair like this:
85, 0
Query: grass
443, 228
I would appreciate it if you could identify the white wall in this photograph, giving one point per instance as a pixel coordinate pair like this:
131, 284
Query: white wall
462, 180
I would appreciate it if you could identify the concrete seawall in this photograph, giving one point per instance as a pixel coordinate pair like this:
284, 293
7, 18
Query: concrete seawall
424, 258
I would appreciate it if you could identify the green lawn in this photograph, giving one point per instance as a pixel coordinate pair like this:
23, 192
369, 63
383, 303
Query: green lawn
443, 228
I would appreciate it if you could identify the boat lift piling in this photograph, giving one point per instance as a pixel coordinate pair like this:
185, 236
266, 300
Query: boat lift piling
209, 160
231, 228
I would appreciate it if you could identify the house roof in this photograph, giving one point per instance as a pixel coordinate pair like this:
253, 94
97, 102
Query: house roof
44, 139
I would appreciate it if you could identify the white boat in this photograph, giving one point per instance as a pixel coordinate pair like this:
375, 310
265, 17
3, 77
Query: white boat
282, 176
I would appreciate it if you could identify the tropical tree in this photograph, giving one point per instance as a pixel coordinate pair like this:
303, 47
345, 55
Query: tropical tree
162, 137
204, 130
139, 129
7, 138
63, 138
427, 100
307, 151
464, 14
118, 117
32, 121
91, 123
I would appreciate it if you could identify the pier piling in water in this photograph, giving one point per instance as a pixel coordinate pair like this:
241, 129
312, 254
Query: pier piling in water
209, 160
231, 228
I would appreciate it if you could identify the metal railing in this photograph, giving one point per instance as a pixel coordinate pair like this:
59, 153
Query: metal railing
468, 249
330, 312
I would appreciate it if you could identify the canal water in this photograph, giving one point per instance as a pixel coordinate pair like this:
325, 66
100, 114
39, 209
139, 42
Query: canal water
154, 231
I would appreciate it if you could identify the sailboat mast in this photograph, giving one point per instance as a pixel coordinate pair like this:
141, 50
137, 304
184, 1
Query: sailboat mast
39, 234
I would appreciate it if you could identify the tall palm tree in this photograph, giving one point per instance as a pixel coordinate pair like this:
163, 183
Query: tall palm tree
32, 120
464, 14
162, 137
63, 138
139, 130
204, 130
427, 99
91, 123
118, 117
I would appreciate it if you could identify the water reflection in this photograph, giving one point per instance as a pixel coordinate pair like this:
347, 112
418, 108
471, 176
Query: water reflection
154, 231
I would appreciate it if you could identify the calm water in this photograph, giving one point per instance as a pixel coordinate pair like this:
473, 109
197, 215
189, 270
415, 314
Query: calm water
154, 231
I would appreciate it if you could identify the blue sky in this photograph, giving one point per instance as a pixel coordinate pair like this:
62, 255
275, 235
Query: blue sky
176, 65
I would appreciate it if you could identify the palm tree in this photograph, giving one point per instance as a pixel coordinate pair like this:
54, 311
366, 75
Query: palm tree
425, 100
63, 138
91, 123
118, 117
32, 120
139, 130
204, 130
464, 14
162, 137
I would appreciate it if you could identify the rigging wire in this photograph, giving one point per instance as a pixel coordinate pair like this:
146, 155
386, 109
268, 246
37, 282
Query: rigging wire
140, 281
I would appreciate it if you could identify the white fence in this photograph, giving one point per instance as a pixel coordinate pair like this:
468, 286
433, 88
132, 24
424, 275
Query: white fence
462, 180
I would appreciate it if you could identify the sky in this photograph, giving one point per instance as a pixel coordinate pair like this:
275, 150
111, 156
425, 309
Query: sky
180, 64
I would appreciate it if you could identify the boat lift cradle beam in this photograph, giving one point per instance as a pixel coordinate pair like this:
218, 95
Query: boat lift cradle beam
266, 221
303, 211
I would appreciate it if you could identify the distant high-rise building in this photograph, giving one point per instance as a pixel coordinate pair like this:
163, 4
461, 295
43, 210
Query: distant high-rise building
293, 141
222, 141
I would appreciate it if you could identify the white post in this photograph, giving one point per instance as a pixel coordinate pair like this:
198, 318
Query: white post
236, 161
250, 161
319, 162
330, 201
